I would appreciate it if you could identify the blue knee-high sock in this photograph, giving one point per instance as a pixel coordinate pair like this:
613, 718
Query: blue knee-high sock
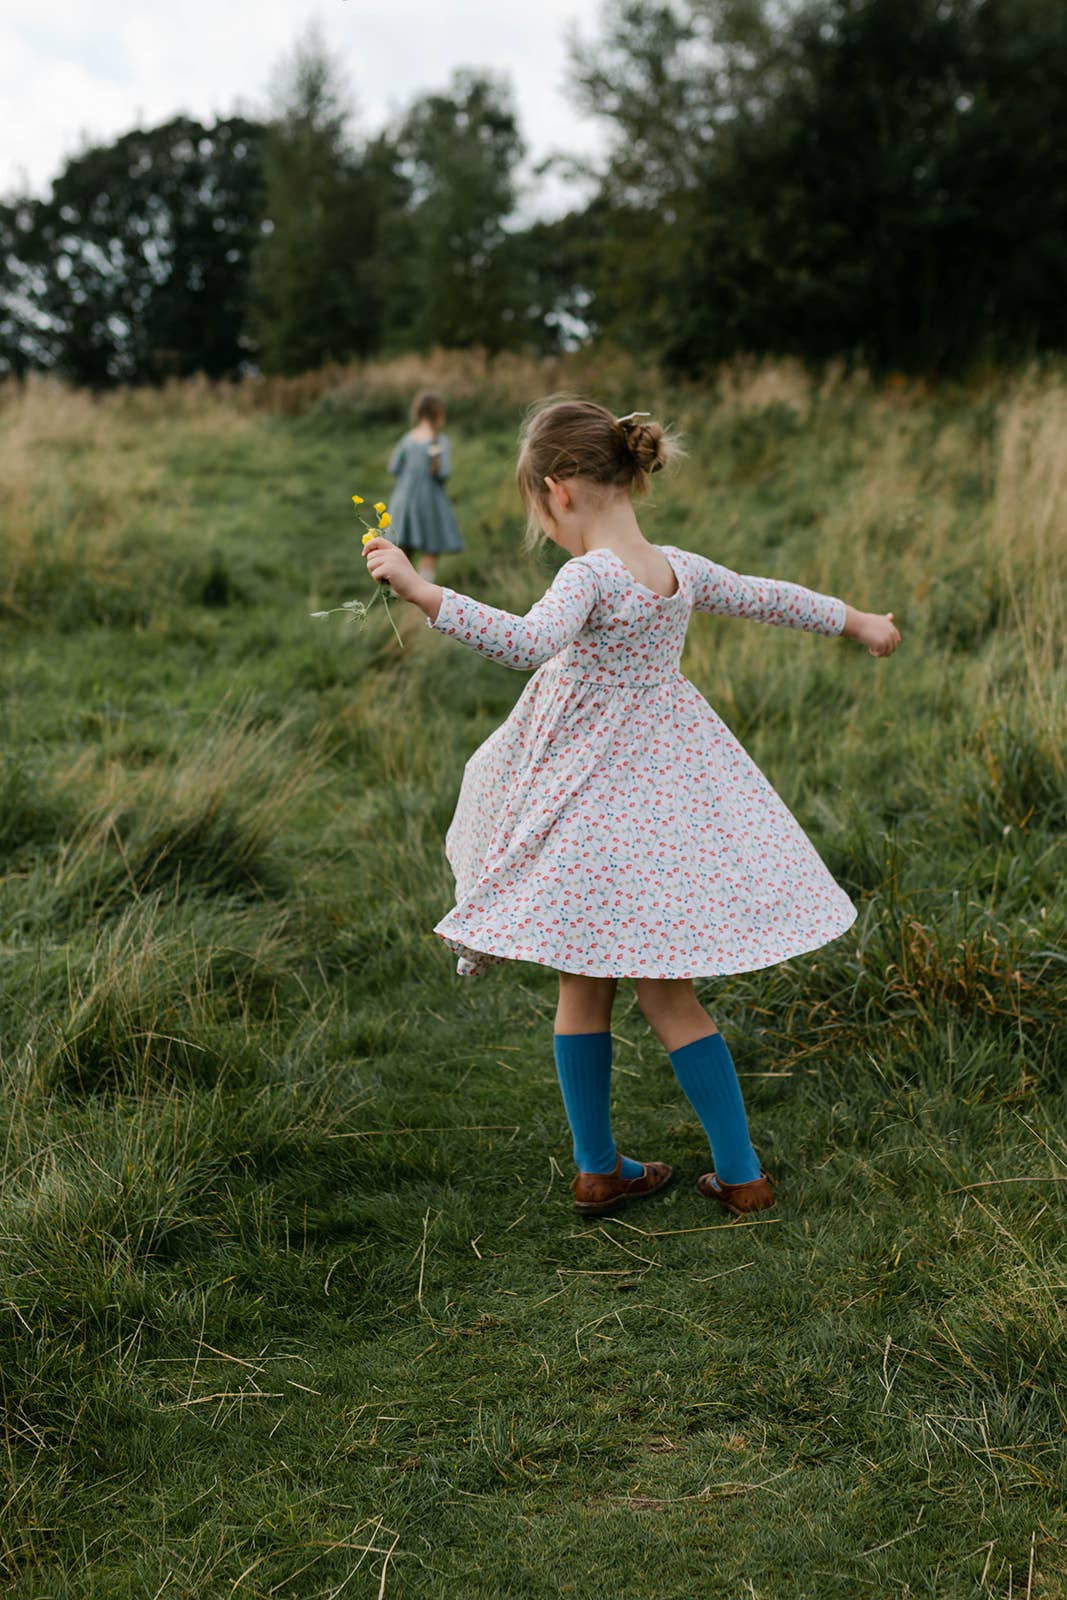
705, 1070
583, 1062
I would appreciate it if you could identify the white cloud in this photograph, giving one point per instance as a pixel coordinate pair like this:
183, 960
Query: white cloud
95, 68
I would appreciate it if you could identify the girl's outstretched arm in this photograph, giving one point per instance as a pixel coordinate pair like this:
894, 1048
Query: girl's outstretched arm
783, 605
514, 641
788, 605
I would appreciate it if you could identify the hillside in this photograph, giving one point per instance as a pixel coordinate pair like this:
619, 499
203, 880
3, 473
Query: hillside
294, 1300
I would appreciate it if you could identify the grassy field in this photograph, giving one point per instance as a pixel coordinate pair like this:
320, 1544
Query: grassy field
293, 1300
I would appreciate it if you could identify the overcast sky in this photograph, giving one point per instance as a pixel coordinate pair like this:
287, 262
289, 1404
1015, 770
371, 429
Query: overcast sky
76, 68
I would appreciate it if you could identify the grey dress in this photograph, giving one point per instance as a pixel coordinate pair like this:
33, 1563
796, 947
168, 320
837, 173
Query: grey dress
422, 513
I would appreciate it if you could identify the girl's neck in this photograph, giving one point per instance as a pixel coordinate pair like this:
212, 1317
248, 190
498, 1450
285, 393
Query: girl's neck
614, 528
424, 430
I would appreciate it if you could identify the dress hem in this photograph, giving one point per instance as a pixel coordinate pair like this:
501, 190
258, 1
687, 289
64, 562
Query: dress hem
459, 948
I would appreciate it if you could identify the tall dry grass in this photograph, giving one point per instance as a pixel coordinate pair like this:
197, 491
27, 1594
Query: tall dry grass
1027, 530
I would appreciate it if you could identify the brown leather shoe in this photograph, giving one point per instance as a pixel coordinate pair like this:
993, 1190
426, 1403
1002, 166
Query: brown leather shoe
595, 1192
738, 1198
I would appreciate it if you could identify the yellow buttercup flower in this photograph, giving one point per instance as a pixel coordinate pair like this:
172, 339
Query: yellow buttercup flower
357, 608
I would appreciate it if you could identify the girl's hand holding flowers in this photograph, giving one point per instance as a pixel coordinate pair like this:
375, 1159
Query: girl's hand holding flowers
386, 563
356, 608
389, 565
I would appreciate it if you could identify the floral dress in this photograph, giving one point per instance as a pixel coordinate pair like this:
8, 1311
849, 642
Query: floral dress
613, 826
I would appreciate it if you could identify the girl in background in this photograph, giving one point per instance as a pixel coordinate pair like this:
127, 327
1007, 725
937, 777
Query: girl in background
424, 524
613, 827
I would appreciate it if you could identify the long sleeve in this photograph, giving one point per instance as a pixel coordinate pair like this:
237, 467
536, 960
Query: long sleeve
444, 465
522, 642
783, 605
397, 457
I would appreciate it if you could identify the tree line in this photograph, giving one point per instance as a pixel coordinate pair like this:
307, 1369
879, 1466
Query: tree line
880, 180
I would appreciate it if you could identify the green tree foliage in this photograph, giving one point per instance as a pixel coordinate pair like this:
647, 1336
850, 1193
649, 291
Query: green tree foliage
317, 280
460, 150
136, 266
23, 344
663, 79
877, 177
548, 267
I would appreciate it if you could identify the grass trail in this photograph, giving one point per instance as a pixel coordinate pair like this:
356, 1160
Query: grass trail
293, 1301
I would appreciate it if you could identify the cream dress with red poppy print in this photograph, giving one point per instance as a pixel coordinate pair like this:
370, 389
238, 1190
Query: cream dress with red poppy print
613, 826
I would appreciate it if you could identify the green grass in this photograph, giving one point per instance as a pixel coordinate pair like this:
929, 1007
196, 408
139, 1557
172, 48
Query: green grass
293, 1300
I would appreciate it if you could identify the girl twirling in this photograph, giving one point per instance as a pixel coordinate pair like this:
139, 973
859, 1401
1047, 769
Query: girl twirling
613, 827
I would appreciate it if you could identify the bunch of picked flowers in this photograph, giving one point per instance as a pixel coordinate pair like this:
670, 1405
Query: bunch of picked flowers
357, 608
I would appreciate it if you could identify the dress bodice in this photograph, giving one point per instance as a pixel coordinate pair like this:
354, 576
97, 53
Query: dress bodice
605, 627
632, 635
411, 457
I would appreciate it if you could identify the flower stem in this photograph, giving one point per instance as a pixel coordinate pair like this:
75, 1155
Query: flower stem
392, 624
381, 588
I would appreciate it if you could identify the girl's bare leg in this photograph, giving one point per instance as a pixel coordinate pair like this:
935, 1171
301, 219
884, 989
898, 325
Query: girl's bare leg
584, 1004
427, 568
673, 1011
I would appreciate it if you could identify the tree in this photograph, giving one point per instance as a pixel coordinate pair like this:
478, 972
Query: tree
665, 79
136, 266
317, 292
879, 178
547, 267
460, 150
